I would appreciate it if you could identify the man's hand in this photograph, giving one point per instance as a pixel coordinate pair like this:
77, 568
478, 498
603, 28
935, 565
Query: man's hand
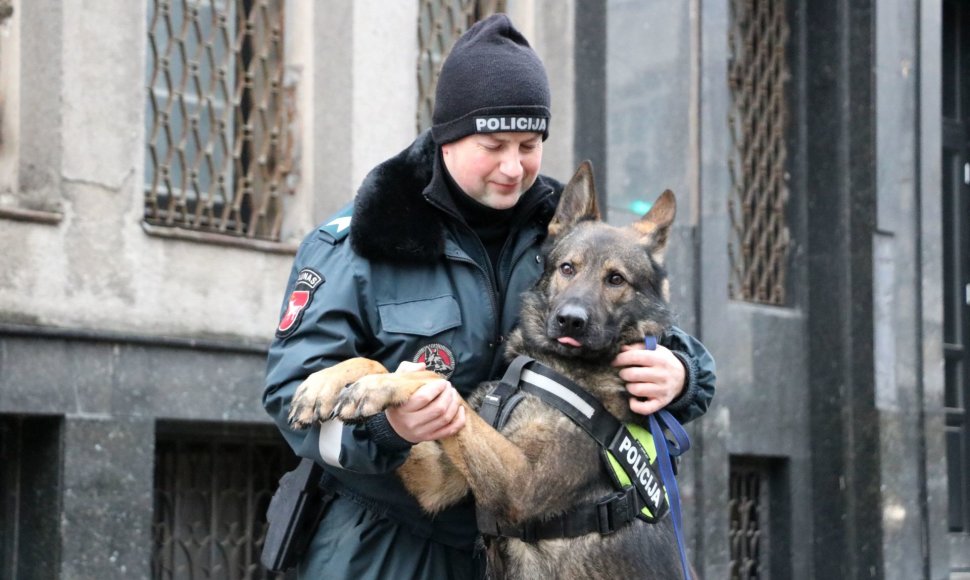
433, 412
654, 378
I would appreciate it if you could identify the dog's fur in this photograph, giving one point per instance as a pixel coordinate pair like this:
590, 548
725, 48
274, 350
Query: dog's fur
602, 287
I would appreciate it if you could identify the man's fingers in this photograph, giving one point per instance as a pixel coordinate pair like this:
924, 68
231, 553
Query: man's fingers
451, 428
637, 357
646, 390
645, 407
453, 407
642, 375
438, 412
427, 393
434, 411
407, 366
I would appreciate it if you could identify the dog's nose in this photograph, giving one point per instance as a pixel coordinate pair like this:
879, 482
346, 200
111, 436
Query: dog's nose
572, 319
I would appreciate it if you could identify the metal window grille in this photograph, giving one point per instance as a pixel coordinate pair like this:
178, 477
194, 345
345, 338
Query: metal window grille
956, 261
219, 117
758, 71
211, 494
748, 505
440, 23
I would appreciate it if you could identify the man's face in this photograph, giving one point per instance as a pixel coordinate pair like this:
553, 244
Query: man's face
494, 168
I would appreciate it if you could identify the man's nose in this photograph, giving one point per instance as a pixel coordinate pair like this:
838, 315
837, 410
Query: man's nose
512, 166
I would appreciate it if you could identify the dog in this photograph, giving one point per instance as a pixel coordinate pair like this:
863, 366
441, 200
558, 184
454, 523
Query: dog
602, 287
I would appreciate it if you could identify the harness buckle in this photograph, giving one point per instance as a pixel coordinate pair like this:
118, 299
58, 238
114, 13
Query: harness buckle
614, 510
487, 524
490, 407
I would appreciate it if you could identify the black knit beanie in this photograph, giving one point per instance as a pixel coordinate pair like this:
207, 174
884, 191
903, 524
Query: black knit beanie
491, 82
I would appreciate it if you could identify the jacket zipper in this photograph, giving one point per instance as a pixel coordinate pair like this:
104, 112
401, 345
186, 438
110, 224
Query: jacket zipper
486, 272
492, 293
491, 278
527, 213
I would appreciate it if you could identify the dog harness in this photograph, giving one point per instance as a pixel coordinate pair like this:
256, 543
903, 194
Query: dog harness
637, 460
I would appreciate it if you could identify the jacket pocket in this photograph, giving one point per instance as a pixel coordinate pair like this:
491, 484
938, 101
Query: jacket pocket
421, 317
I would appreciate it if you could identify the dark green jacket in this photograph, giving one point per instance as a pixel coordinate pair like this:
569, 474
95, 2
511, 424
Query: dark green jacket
408, 278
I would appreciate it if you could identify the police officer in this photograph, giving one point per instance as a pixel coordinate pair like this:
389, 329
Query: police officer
427, 267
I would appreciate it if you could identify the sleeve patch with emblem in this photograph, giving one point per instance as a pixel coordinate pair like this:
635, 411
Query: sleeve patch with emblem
307, 282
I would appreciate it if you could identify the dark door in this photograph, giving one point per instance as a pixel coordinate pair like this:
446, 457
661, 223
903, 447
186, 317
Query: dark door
956, 255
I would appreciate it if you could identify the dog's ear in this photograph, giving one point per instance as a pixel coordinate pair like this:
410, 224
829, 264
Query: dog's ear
654, 228
578, 201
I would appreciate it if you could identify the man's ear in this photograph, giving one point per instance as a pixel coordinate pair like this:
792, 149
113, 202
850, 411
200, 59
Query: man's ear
654, 228
578, 201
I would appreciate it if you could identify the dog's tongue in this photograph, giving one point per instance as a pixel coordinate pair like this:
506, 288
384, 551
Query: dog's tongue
570, 341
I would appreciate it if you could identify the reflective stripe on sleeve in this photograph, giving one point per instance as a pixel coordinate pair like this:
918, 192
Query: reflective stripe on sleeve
331, 435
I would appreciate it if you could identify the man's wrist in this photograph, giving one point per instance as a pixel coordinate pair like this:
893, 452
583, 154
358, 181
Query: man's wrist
683, 400
384, 435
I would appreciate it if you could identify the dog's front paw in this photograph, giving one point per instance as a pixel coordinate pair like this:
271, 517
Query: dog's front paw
372, 394
366, 397
317, 396
314, 400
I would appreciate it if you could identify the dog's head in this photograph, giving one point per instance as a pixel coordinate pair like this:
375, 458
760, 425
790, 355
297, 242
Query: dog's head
603, 286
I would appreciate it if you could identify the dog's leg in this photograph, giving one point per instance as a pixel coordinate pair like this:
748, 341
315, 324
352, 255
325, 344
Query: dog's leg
317, 395
494, 467
479, 458
432, 478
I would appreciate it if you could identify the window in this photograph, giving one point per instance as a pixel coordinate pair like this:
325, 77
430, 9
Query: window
213, 484
440, 23
758, 517
758, 72
218, 117
747, 513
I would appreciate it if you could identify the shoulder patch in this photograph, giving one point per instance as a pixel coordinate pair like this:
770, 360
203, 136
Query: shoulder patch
337, 227
308, 281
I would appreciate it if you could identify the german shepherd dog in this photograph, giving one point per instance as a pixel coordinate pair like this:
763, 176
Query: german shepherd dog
602, 287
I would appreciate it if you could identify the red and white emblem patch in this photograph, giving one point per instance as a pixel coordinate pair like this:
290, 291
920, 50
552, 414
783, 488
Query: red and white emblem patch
438, 358
307, 282
298, 301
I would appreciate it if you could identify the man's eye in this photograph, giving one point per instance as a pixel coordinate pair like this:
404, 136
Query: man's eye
566, 269
615, 279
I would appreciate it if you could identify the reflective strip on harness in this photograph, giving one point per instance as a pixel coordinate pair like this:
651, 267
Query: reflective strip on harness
558, 390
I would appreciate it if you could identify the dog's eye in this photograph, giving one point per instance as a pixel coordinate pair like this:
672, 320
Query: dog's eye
615, 279
566, 269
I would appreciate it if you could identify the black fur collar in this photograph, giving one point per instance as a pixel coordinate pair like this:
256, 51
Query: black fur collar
393, 219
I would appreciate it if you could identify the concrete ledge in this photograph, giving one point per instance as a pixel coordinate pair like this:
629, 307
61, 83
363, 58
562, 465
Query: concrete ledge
219, 239
31, 215
118, 376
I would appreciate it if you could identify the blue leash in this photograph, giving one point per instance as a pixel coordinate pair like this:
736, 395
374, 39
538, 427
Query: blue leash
660, 422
